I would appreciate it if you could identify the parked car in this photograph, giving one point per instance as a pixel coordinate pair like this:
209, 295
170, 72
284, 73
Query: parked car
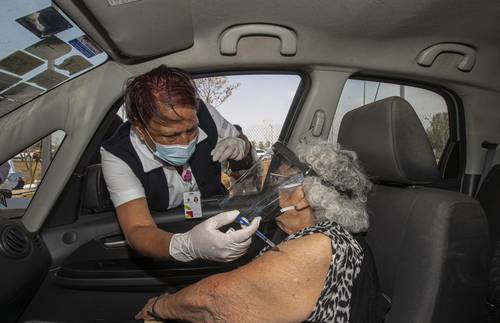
260, 152
411, 86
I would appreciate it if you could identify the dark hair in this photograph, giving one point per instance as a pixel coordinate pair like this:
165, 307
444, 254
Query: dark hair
146, 94
238, 127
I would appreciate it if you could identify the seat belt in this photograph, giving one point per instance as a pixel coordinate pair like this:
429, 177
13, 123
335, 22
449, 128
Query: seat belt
488, 160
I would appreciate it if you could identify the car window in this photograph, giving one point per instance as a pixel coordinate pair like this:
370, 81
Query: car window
22, 174
255, 103
40, 48
430, 107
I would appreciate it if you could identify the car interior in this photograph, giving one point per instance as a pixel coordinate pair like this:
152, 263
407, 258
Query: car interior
434, 213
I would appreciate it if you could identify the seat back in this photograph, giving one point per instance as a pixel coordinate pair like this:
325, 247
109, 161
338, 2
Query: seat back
95, 193
489, 198
429, 244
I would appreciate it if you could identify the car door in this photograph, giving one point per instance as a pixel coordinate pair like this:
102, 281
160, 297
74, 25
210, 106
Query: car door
94, 274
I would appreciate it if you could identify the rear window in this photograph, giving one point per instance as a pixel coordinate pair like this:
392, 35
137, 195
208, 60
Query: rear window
40, 48
431, 108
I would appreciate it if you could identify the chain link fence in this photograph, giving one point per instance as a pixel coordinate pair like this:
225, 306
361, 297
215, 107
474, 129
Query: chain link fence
262, 136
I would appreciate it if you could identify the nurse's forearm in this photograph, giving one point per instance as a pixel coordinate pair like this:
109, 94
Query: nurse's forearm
141, 231
150, 241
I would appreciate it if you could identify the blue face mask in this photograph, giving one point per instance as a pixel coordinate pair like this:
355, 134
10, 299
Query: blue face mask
176, 155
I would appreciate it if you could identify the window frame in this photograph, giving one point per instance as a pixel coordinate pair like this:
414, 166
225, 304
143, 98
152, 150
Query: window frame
297, 101
23, 211
67, 208
67, 211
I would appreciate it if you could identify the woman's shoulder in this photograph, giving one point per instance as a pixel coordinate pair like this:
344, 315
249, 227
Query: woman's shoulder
311, 242
341, 239
324, 236
330, 229
315, 247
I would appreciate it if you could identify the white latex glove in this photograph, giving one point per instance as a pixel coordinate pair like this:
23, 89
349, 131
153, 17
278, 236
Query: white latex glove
205, 241
229, 148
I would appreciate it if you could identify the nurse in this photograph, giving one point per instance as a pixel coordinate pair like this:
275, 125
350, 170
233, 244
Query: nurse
169, 152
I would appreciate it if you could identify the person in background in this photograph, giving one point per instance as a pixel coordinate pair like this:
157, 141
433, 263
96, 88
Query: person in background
4, 170
169, 151
13, 179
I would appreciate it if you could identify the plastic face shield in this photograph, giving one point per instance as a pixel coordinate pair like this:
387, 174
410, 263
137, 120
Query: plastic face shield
257, 190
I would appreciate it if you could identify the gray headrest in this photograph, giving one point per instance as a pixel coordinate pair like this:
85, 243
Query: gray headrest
390, 142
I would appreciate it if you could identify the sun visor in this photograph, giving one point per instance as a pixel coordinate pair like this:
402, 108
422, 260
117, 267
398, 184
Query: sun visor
134, 29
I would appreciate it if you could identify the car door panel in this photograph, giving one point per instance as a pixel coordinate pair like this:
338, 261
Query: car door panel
94, 275
91, 260
24, 261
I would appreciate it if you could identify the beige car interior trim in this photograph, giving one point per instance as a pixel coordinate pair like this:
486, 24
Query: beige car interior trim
324, 94
230, 37
76, 107
427, 57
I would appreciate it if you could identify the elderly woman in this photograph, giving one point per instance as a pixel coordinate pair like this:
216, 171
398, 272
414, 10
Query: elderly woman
311, 277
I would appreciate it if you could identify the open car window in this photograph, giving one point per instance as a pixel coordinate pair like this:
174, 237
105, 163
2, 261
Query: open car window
40, 48
256, 104
26, 170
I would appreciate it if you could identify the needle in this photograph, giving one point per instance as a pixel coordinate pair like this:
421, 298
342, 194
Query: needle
243, 221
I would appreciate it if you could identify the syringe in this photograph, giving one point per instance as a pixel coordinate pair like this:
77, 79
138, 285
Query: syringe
244, 221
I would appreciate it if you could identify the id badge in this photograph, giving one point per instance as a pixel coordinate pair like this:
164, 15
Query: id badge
192, 205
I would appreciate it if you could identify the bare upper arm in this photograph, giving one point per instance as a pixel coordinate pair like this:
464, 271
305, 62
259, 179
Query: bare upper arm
134, 214
279, 286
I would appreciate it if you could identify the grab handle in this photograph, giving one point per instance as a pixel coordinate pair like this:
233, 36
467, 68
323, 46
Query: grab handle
428, 56
230, 37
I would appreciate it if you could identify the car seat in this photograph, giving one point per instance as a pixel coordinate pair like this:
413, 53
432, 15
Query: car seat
489, 197
95, 193
430, 245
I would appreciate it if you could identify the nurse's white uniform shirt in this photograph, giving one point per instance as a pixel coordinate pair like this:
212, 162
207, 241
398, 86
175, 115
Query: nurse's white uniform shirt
124, 186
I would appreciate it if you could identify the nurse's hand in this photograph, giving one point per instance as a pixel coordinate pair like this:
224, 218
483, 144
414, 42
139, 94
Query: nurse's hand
233, 148
206, 241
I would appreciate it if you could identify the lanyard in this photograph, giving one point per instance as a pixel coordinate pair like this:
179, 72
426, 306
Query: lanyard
187, 179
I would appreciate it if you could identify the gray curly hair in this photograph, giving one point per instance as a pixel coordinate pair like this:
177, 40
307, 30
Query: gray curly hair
339, 192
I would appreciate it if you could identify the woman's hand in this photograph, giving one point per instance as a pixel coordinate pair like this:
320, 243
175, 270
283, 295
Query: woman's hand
145, 313
233, 148
206, 241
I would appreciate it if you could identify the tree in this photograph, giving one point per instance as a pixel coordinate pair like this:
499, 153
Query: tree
438, 132
215, 90
31, 158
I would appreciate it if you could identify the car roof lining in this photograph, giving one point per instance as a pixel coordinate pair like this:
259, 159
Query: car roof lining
332, 36
374, 36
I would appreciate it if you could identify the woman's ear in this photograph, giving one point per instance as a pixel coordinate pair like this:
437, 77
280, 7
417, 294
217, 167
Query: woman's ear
139, 130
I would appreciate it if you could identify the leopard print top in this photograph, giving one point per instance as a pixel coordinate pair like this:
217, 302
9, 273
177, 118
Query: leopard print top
333, 304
